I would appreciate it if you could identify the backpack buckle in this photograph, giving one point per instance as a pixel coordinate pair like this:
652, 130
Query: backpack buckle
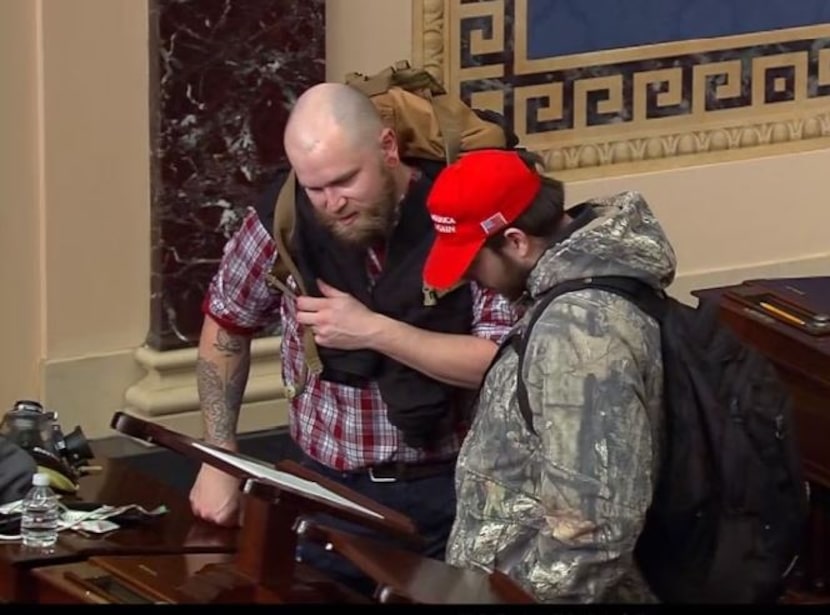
380, 479
779, 427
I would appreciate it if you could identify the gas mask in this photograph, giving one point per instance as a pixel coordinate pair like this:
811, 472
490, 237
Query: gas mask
36, 430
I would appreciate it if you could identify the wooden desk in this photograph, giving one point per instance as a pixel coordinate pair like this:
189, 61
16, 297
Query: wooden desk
803, 362
177, 532
179, 559
191, 578
403, 577
175, 558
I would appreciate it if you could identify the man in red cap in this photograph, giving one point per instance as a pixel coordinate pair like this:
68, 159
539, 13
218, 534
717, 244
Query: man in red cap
559, 508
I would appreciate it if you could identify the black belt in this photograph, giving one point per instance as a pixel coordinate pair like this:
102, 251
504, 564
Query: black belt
398, 471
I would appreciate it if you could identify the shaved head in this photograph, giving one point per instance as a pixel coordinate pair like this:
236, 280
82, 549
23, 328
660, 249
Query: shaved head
332, 111
346, 161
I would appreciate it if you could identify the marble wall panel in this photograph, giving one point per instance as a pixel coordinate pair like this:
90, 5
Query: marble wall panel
223, 75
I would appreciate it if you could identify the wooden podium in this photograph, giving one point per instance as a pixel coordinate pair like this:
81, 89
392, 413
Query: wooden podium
278, 504
788, 320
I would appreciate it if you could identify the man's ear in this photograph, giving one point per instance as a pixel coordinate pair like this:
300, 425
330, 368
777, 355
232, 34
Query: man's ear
517, 242
389, 147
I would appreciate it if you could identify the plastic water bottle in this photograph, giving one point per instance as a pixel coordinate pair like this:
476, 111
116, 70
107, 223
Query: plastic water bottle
39, 522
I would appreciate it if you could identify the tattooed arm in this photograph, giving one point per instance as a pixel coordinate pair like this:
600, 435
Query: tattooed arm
222, 370
222, 373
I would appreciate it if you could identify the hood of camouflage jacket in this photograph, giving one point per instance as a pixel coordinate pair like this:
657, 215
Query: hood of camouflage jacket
624, 239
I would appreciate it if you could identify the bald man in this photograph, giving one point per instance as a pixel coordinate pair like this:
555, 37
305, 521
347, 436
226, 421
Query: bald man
388, 413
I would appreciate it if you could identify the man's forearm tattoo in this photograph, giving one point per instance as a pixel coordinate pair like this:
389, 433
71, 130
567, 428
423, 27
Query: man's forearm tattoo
235, 388
220, 398
227, 343
219, 421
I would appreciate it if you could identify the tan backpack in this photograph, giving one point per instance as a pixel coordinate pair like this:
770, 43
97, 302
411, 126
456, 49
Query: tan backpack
429, 123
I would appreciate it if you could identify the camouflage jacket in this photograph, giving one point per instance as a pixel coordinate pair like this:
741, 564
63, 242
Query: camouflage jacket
561, 512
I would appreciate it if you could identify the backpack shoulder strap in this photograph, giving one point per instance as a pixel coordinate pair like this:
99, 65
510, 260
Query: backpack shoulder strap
284, 217
641, 294
284, 266
449, 125
520, 341
650, 300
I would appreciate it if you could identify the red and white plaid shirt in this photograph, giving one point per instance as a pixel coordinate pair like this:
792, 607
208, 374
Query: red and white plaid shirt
342, 427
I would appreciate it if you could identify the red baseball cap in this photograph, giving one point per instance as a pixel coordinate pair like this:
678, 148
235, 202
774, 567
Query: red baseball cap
472, 199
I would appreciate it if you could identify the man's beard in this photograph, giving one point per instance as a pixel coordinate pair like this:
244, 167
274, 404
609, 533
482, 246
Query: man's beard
372, 224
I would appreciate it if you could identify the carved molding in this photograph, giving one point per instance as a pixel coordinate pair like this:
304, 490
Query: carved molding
644, 140
167, 393
428, 21
707, 145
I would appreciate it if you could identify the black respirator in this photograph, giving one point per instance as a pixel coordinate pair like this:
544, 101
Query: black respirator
36, 430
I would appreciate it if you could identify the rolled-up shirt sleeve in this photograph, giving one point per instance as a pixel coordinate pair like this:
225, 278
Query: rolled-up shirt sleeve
238, 297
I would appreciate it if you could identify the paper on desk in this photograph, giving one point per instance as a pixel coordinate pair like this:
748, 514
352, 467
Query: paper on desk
91, 521
11, 508
95, 521
284, 479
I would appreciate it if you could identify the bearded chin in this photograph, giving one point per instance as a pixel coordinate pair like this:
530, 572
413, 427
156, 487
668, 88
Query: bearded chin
372, 225
366, 230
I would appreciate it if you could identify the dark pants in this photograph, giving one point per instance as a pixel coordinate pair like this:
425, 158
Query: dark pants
428, 502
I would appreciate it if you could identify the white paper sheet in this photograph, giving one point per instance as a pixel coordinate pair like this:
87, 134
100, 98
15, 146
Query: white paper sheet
286, 480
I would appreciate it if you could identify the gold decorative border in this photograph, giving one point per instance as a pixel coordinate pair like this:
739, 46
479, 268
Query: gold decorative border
428, 32
740, 134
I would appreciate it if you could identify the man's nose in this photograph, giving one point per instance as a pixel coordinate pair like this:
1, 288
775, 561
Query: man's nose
335, 201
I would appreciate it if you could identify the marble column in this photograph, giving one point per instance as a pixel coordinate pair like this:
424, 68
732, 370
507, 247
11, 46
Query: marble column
223, 74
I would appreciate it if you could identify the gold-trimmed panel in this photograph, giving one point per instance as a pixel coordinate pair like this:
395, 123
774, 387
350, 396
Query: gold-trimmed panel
642, 140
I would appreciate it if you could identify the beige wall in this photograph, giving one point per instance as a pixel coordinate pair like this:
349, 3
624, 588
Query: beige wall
74, 184
366, 35
75, 202
95, 175
20, 206
733, 221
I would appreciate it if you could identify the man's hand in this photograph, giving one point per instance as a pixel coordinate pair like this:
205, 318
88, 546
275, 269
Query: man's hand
337, 319
215, 497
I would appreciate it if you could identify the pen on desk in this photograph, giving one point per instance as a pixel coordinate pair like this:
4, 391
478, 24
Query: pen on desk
779, 312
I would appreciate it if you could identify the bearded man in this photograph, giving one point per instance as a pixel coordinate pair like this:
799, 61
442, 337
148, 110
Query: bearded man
387, 415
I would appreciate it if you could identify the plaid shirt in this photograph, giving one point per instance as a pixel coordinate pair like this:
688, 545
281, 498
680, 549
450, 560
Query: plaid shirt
342, 427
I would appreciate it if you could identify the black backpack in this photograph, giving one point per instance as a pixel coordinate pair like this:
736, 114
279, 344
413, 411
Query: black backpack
729, 513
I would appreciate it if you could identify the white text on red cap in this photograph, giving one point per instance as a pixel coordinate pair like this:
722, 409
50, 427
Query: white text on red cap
444, 224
